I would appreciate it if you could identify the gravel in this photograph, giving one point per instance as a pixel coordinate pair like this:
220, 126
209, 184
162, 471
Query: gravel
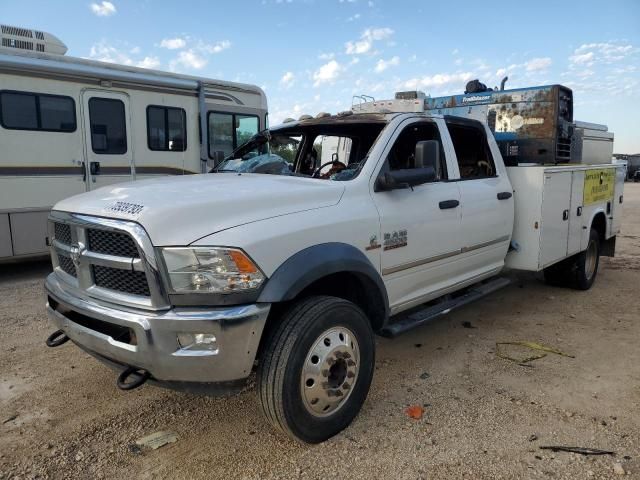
484, 417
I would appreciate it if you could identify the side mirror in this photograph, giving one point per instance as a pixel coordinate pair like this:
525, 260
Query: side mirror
405, 178
427, 154
334, 157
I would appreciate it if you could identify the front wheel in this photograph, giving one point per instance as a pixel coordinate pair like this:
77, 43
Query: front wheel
316, 369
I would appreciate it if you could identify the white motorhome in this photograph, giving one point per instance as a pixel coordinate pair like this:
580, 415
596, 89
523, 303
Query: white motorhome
69, 125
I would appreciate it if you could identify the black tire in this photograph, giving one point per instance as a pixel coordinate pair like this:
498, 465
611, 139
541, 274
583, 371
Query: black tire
584, 271
288, 351
578, 271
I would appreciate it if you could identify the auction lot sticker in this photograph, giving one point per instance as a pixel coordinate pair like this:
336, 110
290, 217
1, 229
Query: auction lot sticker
598, 185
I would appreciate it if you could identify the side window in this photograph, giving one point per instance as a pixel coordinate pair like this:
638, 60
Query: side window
220, 135
108, 126
246, 127
402, 154
472, 150
227, 131
166, 129
34, 111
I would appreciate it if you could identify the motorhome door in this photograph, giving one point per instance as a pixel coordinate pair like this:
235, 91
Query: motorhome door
108, 145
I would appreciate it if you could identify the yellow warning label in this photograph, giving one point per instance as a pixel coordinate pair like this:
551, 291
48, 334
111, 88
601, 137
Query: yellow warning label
598, 185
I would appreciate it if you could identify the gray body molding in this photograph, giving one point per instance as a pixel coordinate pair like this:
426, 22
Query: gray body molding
308, 265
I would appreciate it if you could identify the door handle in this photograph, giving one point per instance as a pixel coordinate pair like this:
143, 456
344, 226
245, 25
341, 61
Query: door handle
84, 172
565, 215
94, 168
579, 212
504, 195
448, 204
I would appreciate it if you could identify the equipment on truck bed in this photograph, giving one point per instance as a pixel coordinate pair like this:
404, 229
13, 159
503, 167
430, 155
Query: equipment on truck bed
531, 125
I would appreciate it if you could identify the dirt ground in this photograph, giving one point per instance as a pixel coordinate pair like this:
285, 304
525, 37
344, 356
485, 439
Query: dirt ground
61, 415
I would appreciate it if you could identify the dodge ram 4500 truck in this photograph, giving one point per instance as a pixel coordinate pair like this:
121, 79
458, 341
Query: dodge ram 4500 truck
278, 262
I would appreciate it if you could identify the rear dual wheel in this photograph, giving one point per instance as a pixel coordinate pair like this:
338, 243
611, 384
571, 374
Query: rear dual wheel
579, 271
317, 368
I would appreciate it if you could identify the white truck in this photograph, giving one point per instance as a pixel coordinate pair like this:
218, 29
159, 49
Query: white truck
278, 263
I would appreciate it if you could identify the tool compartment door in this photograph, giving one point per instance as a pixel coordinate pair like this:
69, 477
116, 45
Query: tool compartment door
576, 214
616, 221
556, 205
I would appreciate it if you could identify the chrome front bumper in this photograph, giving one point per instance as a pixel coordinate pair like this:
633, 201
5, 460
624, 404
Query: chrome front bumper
154, 346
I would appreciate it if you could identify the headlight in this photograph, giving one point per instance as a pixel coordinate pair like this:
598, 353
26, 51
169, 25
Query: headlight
210, 270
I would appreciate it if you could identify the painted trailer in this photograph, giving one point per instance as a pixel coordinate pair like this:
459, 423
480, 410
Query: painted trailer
69, 125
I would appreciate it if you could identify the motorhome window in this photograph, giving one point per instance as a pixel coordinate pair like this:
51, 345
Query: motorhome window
33, 111
166, 129
472, 151
246, 127
402, 154
220, 135
227, 131
108, 126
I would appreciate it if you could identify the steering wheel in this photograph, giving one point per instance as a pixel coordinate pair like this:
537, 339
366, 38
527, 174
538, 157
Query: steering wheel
487, 166
337, 166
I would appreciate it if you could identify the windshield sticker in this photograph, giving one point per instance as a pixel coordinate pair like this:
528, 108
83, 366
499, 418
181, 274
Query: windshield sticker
373, 243
395, 239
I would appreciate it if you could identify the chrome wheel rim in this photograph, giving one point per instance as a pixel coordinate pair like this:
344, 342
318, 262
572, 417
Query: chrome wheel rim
591, 260
330, 371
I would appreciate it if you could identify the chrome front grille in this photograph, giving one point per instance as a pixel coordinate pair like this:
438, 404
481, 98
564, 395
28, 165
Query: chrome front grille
108, 259
121, 280
112, 243
66, 264
63, 233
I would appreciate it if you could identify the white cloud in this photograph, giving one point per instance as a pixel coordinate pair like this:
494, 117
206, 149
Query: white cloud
327, 73
589, 54
173, 43
353, 18
149, 62
215, 47
326, 56
382, 65
368, 37
188, 59
377, 33
582, 58
287, 80
538, 64
104, 52
438, 81
103, 9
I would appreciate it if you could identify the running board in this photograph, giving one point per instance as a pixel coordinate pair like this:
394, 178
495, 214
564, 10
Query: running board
432, 312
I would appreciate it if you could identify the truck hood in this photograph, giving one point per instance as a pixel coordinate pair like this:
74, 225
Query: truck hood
181, 210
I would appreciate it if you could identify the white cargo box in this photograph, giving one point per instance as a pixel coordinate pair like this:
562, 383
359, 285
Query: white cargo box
554, 209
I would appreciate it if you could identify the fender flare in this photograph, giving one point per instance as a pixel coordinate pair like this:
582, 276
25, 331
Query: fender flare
318, 261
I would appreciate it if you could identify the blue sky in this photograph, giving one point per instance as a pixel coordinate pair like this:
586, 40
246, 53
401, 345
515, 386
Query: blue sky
313, 55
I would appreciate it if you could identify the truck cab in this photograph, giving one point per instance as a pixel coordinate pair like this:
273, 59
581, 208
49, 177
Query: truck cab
279, 261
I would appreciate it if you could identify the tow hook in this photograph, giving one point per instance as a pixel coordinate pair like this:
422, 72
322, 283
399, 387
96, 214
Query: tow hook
57, 338
139, 376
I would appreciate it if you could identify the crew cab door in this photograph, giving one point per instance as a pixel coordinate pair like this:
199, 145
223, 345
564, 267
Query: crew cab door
108, 145
420, 226
486, 197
